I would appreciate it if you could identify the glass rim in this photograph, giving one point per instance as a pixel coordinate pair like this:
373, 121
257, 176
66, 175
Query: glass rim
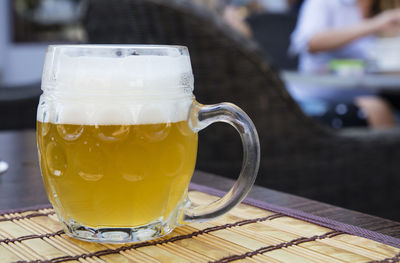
118, 50
115, 46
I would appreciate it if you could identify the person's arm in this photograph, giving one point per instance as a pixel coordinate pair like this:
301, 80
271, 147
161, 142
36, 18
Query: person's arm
336, 38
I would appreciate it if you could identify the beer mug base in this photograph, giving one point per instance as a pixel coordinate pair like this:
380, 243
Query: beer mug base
119, 234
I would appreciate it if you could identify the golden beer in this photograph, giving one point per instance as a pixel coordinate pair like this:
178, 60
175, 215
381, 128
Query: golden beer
117, 175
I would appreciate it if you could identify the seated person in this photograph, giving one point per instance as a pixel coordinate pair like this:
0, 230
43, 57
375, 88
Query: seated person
328, 30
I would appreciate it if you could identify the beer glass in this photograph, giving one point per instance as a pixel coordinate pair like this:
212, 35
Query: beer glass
117, 136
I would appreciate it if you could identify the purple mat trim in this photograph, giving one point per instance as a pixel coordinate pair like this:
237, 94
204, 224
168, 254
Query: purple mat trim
322, 221
21, 210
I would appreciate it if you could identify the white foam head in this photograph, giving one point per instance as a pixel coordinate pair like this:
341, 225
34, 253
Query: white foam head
110, 84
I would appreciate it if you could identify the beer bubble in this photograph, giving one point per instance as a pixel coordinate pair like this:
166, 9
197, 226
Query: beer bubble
132, 177
90, 176
155, 132
111, 133
88, 160
70, 132
56, 159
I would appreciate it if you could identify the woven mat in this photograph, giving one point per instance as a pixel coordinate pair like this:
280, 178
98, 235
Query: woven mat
246, 234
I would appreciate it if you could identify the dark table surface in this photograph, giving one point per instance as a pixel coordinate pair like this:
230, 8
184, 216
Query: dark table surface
21, 186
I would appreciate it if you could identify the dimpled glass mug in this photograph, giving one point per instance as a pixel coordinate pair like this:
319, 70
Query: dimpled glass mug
117, 136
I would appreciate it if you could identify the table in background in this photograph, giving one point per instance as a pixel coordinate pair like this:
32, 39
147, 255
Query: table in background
375, 82
21, 186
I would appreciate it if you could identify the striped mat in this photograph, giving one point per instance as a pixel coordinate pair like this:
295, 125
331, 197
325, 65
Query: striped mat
248, 233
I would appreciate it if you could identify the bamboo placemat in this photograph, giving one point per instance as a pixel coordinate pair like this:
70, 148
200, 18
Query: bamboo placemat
246, 234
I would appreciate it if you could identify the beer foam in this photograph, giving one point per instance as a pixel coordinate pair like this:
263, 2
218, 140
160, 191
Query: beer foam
115, 89
103, 112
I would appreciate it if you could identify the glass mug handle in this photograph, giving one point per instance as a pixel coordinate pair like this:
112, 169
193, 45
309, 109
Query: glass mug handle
200, 117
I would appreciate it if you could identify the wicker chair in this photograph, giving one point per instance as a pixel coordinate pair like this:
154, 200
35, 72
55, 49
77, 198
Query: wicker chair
263, 25
357, 169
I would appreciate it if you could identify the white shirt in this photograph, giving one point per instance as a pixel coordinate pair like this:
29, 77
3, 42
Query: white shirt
321, 15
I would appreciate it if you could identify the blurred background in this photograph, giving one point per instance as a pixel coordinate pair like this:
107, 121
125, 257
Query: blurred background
28, 26
352, 84
320, 79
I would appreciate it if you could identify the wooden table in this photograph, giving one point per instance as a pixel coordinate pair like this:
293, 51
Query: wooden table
22, 186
